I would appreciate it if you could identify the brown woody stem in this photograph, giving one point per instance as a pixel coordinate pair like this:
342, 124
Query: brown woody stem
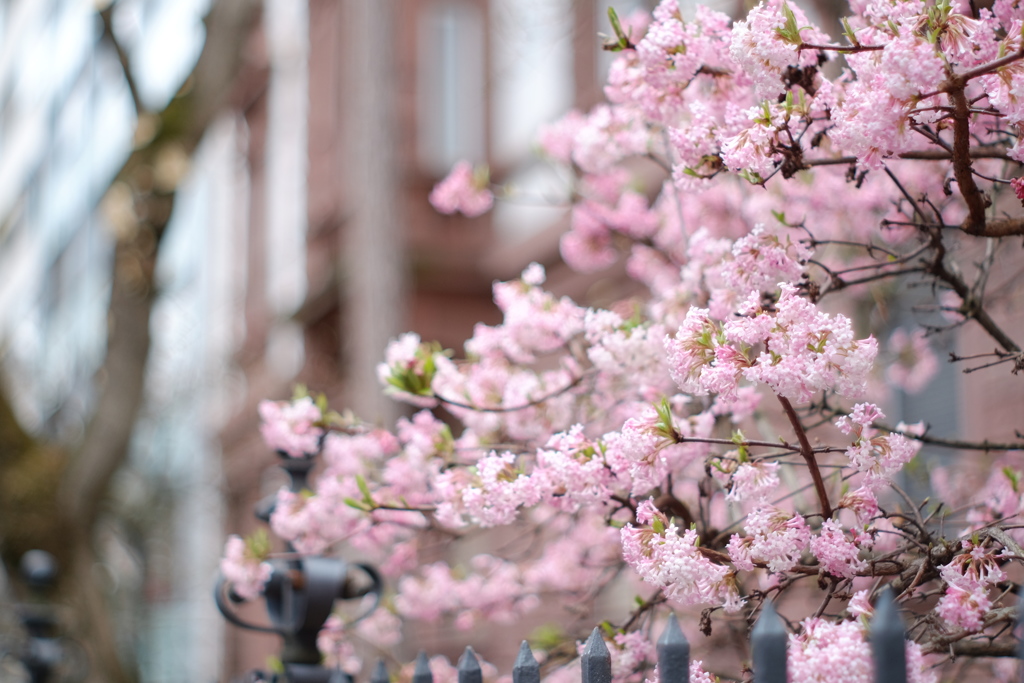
808, 455
973, 197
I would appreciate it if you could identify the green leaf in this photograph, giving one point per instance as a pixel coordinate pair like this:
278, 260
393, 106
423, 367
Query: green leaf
481, 176
789, 32
546, 637
741, 445
752, 177
621, 39
353, 503
257, 545
321, 404
848, 31
1013, 476
365, 490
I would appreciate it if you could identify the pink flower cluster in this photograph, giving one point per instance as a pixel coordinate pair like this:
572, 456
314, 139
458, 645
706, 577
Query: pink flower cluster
878, 457
493, 591
464, 190
670, 559
246, 572
763, 54
562, 418
381, 628
491, 497
968, 579
407, 372
804, 351
774, 537
291, 427
747, 481
839, 555
827, 652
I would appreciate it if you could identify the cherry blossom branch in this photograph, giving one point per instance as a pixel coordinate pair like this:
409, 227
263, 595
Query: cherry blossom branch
959, 444
976, 202
895, 262
972, 307
1002, 357
845, 49
977, 152
729, 442
870, 248
511, 409
961, 79
943, 642
807, 451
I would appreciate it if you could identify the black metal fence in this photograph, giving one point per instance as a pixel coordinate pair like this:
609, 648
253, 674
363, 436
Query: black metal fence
768, 641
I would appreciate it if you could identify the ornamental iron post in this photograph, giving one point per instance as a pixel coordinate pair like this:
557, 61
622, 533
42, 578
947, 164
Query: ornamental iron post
300, 596
45, 655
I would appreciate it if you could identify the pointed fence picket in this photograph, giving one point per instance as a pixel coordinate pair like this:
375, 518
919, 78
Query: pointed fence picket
768, 641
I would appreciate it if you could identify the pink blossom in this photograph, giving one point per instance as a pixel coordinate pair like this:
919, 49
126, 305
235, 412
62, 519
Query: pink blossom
491, 497
1018, 188
775, 538
692, 349
244, 570
964, 608
836, 553
335, 640
535, 321
574, 470
609, 135
290, 426
879, 457
741, 405
463, 190
491, 590
557, 139
807, 351
810, 351
826, 652
763, 54
764, 258
588, 246
861, 417
629, 652
860, 605
977, 566
407, 372
862, 502
911, 67
668, 558
753, 481
697, 674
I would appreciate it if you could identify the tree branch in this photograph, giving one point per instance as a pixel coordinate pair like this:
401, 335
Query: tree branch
105, 445
106, 14
808, 455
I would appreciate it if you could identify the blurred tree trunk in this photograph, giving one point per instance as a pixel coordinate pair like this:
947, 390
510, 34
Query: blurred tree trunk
53, 497
372, 289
